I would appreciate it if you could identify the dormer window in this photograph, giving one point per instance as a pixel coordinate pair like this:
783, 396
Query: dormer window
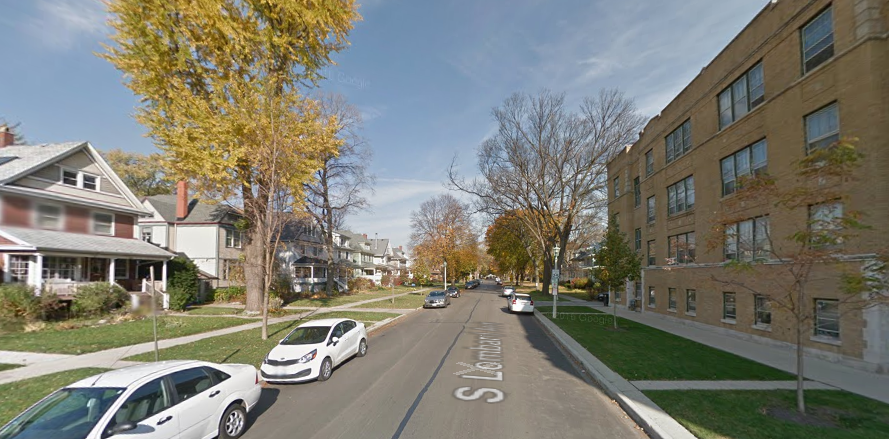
71, 177
90, 182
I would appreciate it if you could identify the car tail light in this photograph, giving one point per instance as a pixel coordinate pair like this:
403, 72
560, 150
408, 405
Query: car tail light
513, 301
532, 303
257, 378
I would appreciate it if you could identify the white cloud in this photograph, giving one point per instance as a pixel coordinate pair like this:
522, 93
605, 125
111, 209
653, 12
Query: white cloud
369, 113
396, 191
61, 24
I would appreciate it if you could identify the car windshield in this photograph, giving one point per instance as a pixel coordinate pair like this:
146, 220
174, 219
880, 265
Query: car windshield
436, 293
70, 413
307, 335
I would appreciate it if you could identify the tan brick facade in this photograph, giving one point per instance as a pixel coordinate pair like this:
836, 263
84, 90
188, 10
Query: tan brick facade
854, 78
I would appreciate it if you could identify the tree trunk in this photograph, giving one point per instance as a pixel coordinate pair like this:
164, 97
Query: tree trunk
613, 307
253, 274
265, 314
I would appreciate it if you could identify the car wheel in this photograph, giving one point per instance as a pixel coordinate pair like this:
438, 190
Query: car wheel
326, 370
362, 348
233, 422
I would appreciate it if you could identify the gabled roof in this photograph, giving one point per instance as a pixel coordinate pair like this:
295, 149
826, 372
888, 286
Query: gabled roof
379, 246
78, 243
198, 211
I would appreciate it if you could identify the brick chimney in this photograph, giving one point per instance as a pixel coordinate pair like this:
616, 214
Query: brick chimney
7, 138
399, 248
181, 200
365, 236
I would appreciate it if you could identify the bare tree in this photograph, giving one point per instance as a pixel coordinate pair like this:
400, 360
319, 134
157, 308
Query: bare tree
550, 163
340, 184
441, 231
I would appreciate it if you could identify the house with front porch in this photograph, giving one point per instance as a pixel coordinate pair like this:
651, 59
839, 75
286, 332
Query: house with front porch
66, 219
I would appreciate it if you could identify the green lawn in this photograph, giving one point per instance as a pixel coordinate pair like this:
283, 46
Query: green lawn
213, 311
539, 296
247, 346
582, 295
347, 299
644, 353
98, 338
401, 302
7, 366
740, 414
17, 396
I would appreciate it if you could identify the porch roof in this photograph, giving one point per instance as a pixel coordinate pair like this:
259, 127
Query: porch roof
81, 244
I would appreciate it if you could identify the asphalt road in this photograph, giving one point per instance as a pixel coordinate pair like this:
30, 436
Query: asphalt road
515, 384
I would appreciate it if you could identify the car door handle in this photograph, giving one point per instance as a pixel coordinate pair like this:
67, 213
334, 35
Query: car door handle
215, 392
164, 420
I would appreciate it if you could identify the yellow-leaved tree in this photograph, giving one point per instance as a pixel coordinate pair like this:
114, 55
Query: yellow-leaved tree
220, 85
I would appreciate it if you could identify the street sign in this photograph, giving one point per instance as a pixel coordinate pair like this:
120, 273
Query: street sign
555, 278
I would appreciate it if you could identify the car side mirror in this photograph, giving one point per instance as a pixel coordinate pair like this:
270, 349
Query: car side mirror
334, 340
120, 428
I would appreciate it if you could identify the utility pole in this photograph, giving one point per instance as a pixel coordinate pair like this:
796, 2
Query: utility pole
555, 280
153, 310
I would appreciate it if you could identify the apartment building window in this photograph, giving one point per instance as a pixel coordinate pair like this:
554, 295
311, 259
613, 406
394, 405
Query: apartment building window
147, 234
652, 260
616, 296
59, 268
638, 290
637, 192
651, 211
822, 128
762, 311
827, 318
49, 216
671, 299
752, 160
681, 196
616, 187
19, 268
637, 235
121, 268
679, 141
825, 224
738, 99
817, 39
649, 163
691, 301
729, 308
748, 240
681, 249
652, 299
103, 223
233, 239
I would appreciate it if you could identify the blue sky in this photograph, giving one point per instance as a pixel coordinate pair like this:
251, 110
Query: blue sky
424, 74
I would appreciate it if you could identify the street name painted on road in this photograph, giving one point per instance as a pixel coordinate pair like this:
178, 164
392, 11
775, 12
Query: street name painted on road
489, 355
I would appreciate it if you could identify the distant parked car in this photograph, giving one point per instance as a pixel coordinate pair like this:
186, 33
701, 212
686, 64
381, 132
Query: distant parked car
601, 297
453, 292
499, 282
472, 284
507, 290
313, 350
437, 299
201, 399
520, 303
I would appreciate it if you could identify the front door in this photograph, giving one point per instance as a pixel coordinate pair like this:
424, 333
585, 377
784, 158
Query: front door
98, 270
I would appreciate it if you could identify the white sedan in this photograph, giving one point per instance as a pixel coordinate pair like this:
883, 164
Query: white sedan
507, 290
170, 399
313, 349
520, 303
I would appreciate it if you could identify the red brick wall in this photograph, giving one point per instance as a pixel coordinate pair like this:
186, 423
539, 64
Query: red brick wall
123, 226
77, 219
16, 211
4, 241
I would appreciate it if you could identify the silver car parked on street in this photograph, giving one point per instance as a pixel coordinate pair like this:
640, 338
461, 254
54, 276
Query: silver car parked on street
437, 299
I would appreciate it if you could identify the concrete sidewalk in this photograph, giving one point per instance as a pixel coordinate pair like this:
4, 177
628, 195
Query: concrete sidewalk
853, 380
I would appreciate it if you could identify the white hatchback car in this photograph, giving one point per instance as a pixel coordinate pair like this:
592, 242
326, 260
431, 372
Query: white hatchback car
520, 303
313, 349
170, 399
507, 290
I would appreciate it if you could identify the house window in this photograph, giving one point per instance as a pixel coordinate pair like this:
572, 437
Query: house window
638, 290
19, 268
651, 298
616, 187
103, 223
741, 97
146, 234
825, 224
49, 217
817, 39
649, 163
827, 318
651, 211
751, 160
679, 141
90, 182
233, 239
671, 299
729, 310
121, 268
69, 178
637, 193
691, 301
79, 179
638, 239
681, 196
822, 128
748, 240
681, 249
59, 268
762, 310
652, 260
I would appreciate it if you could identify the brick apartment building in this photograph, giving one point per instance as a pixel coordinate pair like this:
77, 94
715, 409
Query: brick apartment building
802, 74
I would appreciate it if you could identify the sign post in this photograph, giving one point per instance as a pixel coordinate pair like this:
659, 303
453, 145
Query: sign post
555, 280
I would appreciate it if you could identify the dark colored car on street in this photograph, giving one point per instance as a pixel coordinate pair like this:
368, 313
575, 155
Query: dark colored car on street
453, 292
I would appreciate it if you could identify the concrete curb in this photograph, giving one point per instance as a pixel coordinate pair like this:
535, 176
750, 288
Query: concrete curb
388, 322
653, 420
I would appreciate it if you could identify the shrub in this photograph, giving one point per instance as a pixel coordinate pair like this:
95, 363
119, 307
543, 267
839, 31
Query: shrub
385, 280
98, 298
230, 294
359, 284
580, 283
180, 298
184, 276
402, 279
17, 301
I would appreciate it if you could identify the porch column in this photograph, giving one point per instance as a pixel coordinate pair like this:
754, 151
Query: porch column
111, 262
312, 273
164, 276
7, 272
37, 273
